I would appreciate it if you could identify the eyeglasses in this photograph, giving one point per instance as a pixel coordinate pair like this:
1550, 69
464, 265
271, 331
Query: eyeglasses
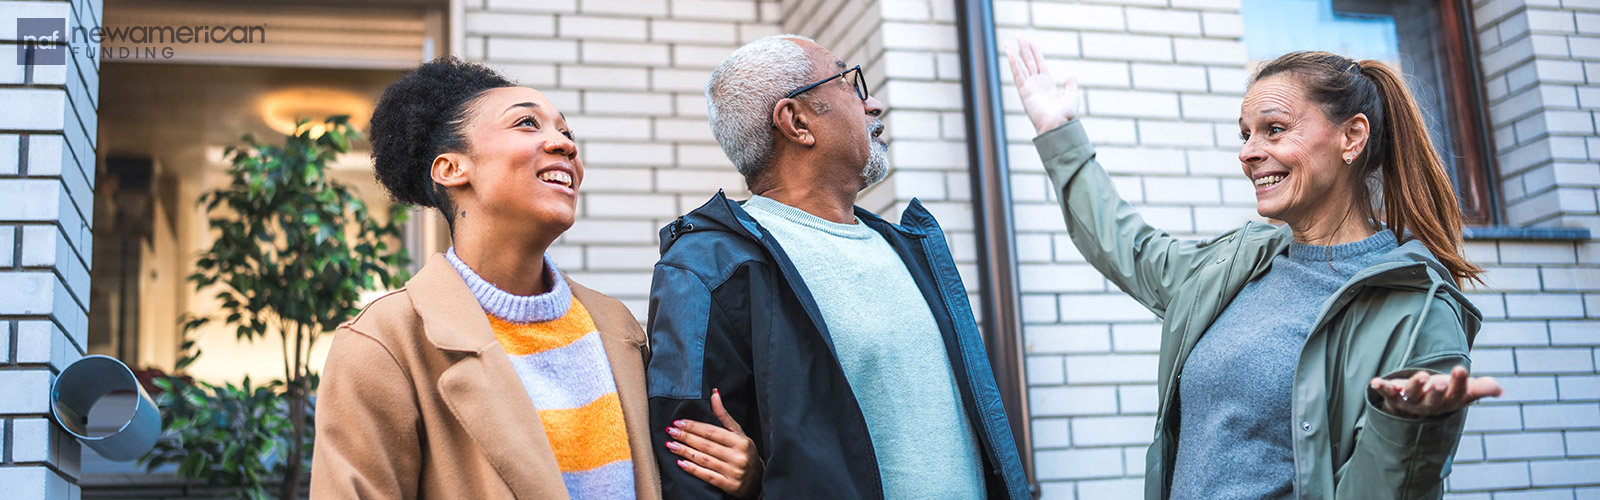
856, 80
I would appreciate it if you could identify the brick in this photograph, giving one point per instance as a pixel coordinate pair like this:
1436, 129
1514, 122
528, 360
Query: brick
1139, 104
1470, 449
533, 5
620, 153
1208, 107
604, 78
1571, 279
1115, 368
1492, 361
1528, 389
27, 392
1565, 472
1222, 24
1159, 133
33, 109
902, 64
625, 53
1138, 399
10, 147
1127, 47
1045, 370
1077, 16
1169, 77
1583, 443
1544, 306
704, 182
714, 9
1066, 338
1080, 463
1579, 387
1561, 416
1113, 488
519, 50
693, 31
626, 103
606, 128
1227, 52
689, 105
1494, 418
1072, 401
1551, 21
1038, 309
511, 24
603, 28
1163, 21
30, 440
1051, 433
1227, 80
1059, 278
918, 36
586, 231
625, 7
1524, 445
630, 205
1103, 431
699, 56
1554, 360
1136, 338
1468, 477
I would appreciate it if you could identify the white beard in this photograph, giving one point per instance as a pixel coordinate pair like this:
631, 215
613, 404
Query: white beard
878, 158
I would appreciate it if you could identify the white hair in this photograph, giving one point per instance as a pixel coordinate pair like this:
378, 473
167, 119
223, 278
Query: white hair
742, 92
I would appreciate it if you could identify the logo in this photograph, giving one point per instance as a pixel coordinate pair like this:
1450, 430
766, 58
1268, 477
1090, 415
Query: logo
44, 41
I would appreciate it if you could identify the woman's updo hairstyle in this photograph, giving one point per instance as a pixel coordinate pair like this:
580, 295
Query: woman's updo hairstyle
421, 116
1414, 196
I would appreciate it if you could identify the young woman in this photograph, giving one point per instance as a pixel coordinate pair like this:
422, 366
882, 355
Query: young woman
1324, 358
492, 375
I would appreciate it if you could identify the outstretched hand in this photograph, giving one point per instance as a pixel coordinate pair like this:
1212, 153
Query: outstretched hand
1047, 105
723, 456
1427, 395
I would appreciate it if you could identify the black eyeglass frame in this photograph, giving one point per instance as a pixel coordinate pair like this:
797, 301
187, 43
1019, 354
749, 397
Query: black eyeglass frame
860, 83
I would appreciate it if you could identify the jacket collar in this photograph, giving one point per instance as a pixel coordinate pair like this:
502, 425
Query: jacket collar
440, 298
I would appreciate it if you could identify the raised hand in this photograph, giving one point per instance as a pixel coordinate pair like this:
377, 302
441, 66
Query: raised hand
1047, 105
722, 456
1427, 395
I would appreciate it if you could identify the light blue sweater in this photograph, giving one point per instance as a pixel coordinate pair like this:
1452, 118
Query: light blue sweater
890, 348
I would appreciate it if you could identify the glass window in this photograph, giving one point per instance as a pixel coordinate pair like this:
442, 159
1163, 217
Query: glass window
1426, 40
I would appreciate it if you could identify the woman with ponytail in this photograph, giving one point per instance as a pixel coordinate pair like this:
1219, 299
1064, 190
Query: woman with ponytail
1322, 358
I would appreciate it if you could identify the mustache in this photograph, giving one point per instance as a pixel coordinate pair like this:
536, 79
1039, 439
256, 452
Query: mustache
875, 128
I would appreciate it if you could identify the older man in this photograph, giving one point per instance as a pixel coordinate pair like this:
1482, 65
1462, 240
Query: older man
841, 343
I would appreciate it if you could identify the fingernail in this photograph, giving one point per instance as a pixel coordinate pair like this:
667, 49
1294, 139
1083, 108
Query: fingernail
672, 445
714, 391
672, 432
677, 423
683, 463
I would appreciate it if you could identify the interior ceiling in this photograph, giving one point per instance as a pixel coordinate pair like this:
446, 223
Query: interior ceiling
182, 115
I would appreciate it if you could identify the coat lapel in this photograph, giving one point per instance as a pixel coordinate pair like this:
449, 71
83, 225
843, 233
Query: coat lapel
477, 386
616, 326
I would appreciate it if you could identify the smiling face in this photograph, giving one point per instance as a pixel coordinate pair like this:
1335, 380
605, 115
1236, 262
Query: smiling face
521, 162
1295, 156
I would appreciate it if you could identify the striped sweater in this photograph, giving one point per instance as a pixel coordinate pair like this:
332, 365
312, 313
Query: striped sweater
557, 353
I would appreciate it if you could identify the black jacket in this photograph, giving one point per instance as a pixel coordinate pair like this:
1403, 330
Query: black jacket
728, 310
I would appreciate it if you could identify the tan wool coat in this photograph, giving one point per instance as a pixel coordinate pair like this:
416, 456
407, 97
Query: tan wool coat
418, 400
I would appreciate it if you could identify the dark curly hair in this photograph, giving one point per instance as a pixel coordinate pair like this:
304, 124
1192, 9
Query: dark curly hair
421, 116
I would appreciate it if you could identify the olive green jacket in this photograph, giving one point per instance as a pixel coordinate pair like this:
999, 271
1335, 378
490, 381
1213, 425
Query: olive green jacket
1390, 319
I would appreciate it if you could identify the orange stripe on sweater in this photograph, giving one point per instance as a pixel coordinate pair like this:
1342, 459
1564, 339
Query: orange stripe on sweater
587, 437
520, 339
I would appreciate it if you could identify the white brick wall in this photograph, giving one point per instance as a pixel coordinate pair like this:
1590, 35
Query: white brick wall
629, 75
47, 167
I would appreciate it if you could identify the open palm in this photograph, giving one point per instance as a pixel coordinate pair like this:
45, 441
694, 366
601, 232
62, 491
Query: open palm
1048, 105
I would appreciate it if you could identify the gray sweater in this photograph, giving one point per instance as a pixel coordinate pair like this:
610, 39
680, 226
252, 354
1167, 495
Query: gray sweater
1236, 429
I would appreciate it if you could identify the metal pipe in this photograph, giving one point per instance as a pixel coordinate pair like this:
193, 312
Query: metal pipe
127, 427
991, 207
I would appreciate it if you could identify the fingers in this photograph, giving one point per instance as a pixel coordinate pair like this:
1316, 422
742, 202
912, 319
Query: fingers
713, 478
707, 459
1029, 62
1016, 67
1482, 387
711, 433
1038, 58
1412, 393
1458, 384
722, 413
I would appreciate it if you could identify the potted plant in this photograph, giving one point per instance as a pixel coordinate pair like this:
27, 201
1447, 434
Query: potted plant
294, 251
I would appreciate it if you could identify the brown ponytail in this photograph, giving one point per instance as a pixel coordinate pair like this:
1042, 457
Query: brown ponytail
1418, 200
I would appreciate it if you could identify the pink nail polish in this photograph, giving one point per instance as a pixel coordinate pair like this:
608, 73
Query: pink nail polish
672, 446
